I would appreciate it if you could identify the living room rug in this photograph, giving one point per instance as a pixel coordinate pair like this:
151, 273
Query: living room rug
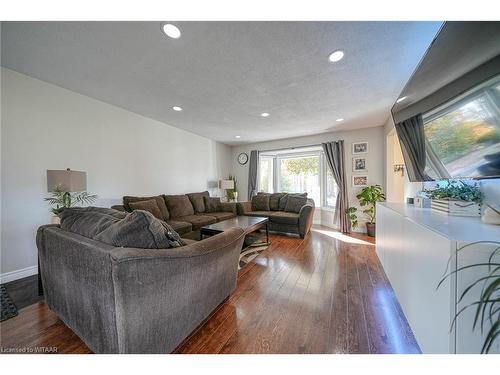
253, 247
9, 310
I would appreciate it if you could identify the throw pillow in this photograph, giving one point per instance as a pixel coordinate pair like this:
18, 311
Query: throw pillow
284, 199
139, 229
150, 206
260, 202
212, 204
198, 201
274, 201
160, 201
294, 203
179, 205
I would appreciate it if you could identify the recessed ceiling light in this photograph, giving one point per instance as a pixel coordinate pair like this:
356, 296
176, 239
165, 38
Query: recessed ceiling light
176, 108
264, 114
339, 120
171, 31
237, 136
336, 56
401, 99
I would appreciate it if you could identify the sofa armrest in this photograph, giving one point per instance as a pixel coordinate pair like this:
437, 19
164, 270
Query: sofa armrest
229, 207
163, 295
306, 215
119, 207
243, 207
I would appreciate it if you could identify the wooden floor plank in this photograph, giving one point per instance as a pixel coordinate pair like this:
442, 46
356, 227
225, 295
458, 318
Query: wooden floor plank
326, 293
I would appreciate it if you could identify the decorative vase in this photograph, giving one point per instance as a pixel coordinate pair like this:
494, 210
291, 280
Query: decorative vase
370, 229
235, 195
55, 220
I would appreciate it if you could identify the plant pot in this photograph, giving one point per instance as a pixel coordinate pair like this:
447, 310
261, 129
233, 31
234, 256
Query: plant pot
55, 220
370, 229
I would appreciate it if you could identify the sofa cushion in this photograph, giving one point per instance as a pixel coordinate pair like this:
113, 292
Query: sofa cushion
179, 205
159, 201
295, 203
198, 201
220, 216
274, 201
258, 213
260, 202
180, 227
284, 199
212, 204
198, 221
149, 205
139, 229
283, 217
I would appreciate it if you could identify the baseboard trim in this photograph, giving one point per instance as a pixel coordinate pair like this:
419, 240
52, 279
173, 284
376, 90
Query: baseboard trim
7, 277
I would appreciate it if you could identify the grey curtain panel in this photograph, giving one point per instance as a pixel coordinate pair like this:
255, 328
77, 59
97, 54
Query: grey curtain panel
334, 152
252, 174
412, 140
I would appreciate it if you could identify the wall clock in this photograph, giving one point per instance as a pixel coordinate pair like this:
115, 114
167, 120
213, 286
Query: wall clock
242, 158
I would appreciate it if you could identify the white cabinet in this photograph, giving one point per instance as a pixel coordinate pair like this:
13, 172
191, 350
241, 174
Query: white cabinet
415, 248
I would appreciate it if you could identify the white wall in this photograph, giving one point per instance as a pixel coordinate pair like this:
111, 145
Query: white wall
47, 127
375, 137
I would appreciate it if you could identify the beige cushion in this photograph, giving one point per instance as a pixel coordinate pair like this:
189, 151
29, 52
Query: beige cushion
149, 205
160, 201
198, 201
179, 205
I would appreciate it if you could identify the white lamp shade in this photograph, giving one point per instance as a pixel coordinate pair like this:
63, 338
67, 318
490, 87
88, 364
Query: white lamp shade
226, 184
66, 180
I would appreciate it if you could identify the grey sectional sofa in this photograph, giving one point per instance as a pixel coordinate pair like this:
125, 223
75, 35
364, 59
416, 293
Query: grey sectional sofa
130, 300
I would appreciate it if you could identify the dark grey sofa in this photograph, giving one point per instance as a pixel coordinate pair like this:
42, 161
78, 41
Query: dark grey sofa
185, 213
127, 300
281, 221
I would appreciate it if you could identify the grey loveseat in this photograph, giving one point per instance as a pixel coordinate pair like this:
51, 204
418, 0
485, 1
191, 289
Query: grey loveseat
282, 219
128, 300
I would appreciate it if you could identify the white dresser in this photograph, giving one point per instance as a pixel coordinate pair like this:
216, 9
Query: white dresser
415, 247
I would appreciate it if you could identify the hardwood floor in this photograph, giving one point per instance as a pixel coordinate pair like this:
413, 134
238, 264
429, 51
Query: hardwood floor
326, 293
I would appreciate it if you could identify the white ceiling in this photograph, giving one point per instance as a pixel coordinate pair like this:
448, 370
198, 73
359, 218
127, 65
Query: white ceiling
224, 74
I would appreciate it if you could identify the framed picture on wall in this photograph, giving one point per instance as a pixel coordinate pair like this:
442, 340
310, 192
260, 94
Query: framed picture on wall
359, 165
359, 148
359, 181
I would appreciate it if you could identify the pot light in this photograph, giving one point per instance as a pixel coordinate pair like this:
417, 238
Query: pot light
339, 120
401, 99
336, 56
237, 136
176, 108
171, 31
264, 114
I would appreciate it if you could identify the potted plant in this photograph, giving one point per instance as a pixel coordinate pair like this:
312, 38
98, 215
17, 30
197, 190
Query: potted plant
456, 198
487, 304
59, 200
368, 197
232, 194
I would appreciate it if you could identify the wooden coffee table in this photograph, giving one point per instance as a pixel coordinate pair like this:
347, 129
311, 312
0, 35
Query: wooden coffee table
248, 223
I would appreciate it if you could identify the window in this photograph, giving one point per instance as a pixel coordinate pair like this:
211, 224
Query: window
463, 136
298, 171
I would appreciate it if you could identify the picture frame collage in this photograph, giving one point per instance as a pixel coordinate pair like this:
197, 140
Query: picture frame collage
360, 164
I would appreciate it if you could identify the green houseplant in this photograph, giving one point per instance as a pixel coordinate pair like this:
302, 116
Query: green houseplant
487, 304
456, 190
59, 200
368, 197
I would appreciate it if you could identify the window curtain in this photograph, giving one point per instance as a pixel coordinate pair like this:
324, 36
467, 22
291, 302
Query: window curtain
412, 139
252, 174
334, 153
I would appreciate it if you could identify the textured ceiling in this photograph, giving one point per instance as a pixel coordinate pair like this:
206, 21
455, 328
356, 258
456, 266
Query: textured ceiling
224, 74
